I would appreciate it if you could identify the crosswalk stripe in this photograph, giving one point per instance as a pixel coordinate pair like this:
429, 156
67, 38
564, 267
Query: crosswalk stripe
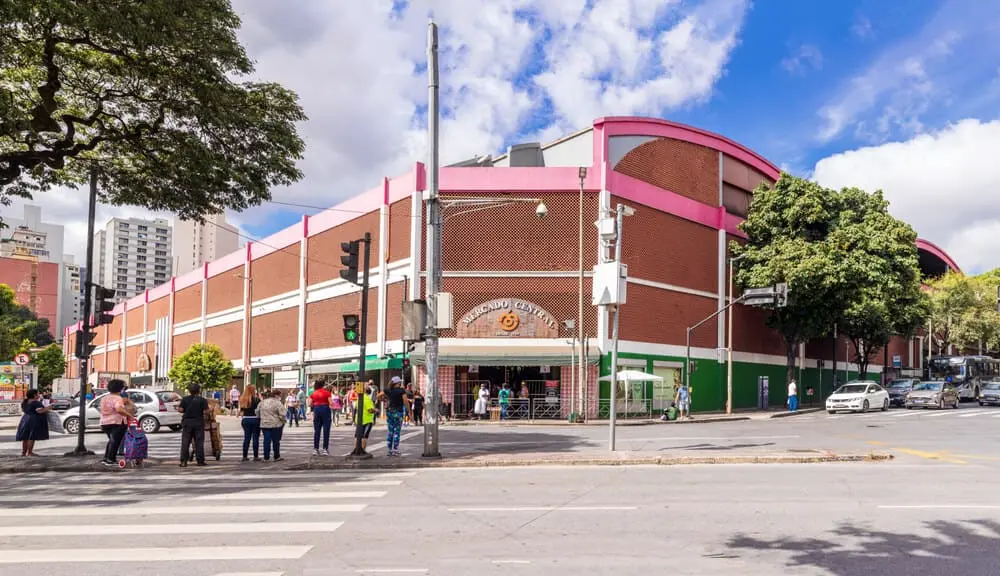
250, 574
939, 414
270, 494
128, 554
165, 529
904, 414
175, 510
974, 414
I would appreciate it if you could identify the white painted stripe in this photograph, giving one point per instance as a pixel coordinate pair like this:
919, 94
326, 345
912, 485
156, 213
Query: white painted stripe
128, 554
686, 438
393, 570
941, 507
271, 495
834, 416
174, 510
118, 495
939, 414
996, 416
904, 414
548, 509
98, 529
974, 414
251, 574
512, 561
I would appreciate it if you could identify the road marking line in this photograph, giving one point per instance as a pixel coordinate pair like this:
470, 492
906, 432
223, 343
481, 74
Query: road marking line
172, 510
127, 554
393, 570
973, 414
511, 561
156, 529
939, 414
403, 438
251, 574
549, 509
266, 495
938, 507
687, 438
904, 414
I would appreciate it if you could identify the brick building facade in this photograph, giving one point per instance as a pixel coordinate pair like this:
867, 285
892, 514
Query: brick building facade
690, 190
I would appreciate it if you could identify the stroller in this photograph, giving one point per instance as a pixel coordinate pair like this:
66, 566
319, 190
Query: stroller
135, 447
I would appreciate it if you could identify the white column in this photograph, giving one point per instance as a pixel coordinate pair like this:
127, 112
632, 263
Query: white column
123, 343
303, 288
204, 300
604, 206
721, 321
416, 239
383, 256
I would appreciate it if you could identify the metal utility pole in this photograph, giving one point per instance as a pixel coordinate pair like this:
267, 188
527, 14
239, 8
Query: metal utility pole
359, 415
581, 378
729, 341
433, 247
614, 333
81, 447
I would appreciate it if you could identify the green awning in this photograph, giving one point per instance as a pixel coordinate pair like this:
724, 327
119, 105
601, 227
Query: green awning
371, 363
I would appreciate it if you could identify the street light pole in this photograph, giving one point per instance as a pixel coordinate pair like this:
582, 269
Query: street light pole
85, 328
581, 378
433, 247
729, 340
613, 416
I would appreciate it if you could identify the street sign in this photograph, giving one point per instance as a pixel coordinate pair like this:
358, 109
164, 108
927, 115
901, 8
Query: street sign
22, 359
759, 301
766, 291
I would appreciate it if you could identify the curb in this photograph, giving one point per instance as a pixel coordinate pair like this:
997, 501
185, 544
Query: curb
796, 413
620, 423
30, 467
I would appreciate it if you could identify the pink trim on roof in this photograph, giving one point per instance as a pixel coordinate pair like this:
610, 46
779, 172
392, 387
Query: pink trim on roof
638, 191
275, 242
634, 126
528, 179
228, 262
137, 301
190, 279
160, 291
929, 246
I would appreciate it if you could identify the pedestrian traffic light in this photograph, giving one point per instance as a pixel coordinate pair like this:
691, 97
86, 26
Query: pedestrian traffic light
350, 259
406, 363
352, 331
104, 302
84, 348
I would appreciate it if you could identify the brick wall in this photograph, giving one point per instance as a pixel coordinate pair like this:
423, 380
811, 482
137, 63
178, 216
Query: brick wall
324, 248
132, 358
394, 296
187, 303
276, 273
157, 309
325, 323
687, 169
512, 238
225, 291
183, 342
661, 316
229, 337
113, 361
665, 248
275, 333
751, 334
133, 322
400, 220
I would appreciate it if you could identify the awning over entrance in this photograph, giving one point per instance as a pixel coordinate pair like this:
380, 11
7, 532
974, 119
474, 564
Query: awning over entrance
371, 363
505, 352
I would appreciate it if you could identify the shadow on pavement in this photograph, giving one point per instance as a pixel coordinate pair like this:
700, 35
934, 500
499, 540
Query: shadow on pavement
456, 443
717, 447
967, 548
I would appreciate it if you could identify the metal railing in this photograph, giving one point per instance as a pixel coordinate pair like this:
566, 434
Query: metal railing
632, 409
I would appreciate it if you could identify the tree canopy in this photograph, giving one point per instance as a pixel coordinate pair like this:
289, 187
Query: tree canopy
51, 364
845, 259
155, 94
964, 311
202, 364
20, 328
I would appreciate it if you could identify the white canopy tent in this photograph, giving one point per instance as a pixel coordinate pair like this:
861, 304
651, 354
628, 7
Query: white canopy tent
629, 376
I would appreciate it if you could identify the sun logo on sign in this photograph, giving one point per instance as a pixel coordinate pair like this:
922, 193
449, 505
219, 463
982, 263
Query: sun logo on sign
509, 321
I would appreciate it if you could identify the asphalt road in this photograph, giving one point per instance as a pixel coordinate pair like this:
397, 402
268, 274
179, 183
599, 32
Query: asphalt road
887, 519
963, 436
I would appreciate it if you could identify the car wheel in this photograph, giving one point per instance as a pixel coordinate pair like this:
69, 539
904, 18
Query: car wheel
865, 407
981, 403
831, 411
941, 404
885, 405
149, 424
175, 427
72, 425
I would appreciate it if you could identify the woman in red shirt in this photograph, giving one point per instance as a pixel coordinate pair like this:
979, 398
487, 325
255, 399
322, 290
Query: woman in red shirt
321, 400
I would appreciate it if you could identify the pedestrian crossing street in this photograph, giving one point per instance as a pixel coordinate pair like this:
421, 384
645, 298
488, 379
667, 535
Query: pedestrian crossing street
201, 524
900, 415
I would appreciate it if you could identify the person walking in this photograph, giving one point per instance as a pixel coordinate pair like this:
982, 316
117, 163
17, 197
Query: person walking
683, 401
292, 408
192, 408
336, 406
418, 408
272, 423
793, 396
34, 425
250, 422
301, 395
114, 421
234, 400
397, 403
321, 402
482, 406
504, 401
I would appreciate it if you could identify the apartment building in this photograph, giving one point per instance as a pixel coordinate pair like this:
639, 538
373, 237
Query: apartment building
135, 254
196, 243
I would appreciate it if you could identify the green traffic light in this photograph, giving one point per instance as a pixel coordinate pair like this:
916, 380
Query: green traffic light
350, 335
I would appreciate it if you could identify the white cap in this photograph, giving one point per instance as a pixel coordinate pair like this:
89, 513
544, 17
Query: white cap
396, 380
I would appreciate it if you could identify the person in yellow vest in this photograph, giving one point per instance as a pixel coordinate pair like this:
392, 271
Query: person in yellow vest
367, 421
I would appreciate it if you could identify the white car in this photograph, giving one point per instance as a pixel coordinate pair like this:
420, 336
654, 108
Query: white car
860, 396
155, 409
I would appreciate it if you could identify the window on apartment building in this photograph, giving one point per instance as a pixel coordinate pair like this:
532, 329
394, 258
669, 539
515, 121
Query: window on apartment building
123, 278
161, 230
142, 242
161, 260
161, 268
161, 252
141, 235
123, 286
123, 270
140, 258
161, 238
141, 227
123, 263
140, 250
123, 225
140, 266
160, 245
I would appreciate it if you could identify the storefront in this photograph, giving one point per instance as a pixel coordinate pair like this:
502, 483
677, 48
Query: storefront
345, 373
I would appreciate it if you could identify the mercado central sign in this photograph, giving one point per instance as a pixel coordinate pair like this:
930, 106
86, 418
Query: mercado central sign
507, 318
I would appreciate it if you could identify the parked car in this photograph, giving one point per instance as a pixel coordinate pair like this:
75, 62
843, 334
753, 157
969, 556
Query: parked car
154, 410
990, 394
936, 394
61, 402
858, 396
898, 389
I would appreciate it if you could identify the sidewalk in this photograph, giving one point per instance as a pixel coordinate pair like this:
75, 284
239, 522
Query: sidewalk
699, 418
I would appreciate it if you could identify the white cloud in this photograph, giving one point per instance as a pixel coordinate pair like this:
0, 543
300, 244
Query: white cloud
863, 29
945, 184
805, 58
920, 77
510, 69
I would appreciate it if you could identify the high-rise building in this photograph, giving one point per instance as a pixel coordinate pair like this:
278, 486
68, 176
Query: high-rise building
46, 282
73, 290
196, 243
134, 255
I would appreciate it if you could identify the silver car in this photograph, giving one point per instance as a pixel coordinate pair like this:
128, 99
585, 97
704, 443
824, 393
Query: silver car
990, 394
154, 410
932, 395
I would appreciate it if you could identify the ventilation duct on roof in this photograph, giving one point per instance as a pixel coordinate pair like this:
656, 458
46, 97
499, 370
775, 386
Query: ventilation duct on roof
475, 162
526, 155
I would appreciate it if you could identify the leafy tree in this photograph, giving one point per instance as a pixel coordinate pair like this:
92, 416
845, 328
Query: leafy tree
51, 364
952, 297
202, 364
880, 272
19, 325
786, 230
154, 94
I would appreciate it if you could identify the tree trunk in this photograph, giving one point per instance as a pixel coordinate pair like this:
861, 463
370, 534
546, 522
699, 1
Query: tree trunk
790, 364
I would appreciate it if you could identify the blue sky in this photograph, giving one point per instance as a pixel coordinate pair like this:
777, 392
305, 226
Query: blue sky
898, 95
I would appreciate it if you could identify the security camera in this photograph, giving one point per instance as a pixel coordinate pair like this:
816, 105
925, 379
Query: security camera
542, 211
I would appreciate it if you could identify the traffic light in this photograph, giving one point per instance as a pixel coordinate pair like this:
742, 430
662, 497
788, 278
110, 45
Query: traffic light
780, 295
84, 348
352, 328
350, 259
104, 302
406, 363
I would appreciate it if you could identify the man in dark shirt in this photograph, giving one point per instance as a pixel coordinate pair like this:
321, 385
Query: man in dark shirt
193, 407
396, 398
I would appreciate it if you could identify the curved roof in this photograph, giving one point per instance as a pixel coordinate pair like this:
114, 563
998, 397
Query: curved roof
933, 260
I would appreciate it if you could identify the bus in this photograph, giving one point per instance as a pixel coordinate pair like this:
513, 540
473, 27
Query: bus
966, 373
